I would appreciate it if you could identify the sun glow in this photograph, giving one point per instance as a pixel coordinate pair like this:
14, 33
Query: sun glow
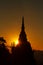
15, 42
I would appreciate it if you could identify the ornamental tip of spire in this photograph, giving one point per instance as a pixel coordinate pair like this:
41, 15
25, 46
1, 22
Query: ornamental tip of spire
22, 19
22, 22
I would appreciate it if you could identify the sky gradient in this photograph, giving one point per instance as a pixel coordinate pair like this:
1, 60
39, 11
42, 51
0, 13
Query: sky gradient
11, 12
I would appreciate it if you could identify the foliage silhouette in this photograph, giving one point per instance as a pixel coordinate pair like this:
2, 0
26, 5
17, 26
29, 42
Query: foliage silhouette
4, 53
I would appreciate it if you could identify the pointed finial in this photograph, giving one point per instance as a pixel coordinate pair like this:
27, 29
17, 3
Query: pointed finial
22, 19
23, 23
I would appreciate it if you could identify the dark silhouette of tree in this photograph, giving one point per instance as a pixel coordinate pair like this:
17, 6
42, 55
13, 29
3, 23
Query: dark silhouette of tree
2, 40
4, 53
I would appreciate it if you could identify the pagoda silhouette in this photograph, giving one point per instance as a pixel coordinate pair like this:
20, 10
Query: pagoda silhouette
23, 53
22, 37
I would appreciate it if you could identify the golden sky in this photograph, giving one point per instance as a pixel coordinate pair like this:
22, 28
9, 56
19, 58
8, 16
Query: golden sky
11, 13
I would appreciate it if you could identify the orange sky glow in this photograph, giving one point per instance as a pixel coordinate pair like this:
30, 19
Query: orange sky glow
11, 12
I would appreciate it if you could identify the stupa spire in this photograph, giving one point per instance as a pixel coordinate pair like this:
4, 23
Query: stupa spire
22, 36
